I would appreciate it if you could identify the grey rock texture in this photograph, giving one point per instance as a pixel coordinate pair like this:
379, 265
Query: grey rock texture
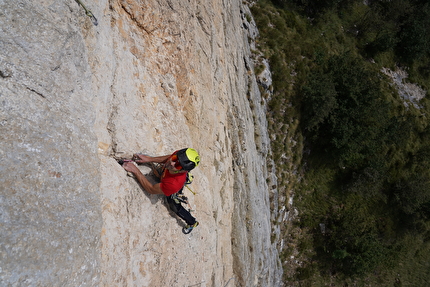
50, 212
153, 77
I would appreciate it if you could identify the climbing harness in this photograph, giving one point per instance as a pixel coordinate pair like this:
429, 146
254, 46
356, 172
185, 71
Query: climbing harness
179, 197
88, 12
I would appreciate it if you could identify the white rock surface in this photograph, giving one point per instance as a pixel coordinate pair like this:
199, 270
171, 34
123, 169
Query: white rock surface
152, 77
409, 92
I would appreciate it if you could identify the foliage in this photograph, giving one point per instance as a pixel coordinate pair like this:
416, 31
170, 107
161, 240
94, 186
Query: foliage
367, 172
343, 111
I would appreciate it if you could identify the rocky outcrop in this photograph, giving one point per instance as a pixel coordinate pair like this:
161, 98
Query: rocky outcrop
152, 77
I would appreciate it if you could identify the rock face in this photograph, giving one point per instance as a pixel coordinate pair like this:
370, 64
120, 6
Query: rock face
152, 77
50, 212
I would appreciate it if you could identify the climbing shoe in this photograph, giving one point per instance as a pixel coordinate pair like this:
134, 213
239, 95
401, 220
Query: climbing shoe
187, 229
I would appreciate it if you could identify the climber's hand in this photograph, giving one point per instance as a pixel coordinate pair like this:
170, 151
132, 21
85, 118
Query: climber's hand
131, 167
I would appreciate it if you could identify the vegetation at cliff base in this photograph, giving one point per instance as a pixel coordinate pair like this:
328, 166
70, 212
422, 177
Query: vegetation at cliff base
359, 148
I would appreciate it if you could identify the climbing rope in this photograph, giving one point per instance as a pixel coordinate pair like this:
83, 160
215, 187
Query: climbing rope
88, 12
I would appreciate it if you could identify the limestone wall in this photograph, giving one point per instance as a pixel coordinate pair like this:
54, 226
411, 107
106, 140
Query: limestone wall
152, 77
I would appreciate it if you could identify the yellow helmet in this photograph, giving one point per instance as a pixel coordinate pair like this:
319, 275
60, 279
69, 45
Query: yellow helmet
188, 158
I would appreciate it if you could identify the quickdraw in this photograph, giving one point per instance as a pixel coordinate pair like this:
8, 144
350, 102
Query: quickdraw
180, 197
190, 189
88, 12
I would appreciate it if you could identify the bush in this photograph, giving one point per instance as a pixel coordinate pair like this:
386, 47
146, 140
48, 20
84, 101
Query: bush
414, 35
366, 165
344, 111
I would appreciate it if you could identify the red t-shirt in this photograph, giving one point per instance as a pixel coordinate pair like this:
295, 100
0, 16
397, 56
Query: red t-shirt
172, 183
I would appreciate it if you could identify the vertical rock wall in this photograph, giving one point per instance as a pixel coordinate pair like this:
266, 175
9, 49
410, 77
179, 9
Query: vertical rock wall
152, 77
50, 213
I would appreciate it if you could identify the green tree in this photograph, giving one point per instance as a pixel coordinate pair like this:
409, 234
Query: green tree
344, 110
413, 193
414, 34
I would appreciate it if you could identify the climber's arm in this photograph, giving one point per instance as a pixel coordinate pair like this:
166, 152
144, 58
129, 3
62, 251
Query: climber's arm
143, 158
144, 182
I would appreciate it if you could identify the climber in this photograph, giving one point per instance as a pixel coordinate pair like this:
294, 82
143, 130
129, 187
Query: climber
173, 176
